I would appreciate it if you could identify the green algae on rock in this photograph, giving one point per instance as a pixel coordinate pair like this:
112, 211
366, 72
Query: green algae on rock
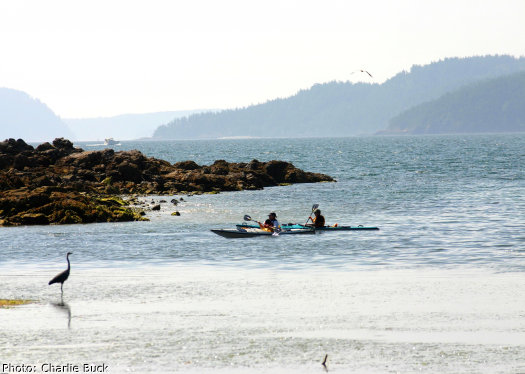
7, 303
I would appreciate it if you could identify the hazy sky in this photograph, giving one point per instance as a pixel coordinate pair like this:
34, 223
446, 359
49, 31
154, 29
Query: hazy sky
101, 58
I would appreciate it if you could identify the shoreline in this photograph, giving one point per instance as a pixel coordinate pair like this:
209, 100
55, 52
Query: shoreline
60, 184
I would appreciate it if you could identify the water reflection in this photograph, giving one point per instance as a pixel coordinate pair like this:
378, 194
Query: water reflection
64, 307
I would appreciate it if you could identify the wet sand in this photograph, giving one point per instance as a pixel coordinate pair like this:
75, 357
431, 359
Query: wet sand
189, 318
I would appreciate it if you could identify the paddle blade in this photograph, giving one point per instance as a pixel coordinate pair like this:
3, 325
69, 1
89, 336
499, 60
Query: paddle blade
314, 207
247, 218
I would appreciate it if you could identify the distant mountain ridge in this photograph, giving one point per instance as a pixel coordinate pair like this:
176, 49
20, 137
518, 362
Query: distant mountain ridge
22, 116
328, 109
494, 105
124, 126
342, 108
25, 117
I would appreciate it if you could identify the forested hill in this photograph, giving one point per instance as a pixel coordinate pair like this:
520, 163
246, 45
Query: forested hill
22, 116
342, 108
495, 105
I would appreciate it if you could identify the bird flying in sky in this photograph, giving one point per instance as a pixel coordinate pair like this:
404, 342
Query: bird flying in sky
363, 71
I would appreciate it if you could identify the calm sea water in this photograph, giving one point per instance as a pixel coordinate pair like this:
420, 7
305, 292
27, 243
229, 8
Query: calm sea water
438, 289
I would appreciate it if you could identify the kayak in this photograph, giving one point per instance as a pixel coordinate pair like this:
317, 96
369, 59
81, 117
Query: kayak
250, 232
325, 228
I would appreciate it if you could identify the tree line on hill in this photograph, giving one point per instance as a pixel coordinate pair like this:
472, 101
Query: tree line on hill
495, 105
452, 95
343, 108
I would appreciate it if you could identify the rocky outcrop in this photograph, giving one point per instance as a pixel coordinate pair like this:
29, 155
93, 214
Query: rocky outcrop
45, 205
58, 183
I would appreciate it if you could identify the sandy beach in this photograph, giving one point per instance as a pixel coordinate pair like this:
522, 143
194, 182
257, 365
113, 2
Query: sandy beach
203, 319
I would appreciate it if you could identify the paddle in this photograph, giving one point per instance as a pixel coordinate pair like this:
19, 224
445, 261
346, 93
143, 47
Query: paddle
314, 207
248, 218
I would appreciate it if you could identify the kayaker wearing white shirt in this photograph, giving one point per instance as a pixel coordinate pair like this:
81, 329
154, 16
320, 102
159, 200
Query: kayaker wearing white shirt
271, 224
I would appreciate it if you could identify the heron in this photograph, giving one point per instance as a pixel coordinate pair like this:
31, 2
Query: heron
62, 277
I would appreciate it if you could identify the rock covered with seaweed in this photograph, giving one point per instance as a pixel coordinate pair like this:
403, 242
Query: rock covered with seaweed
59, 183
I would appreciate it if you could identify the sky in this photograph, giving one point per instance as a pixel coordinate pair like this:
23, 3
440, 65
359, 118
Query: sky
103, 58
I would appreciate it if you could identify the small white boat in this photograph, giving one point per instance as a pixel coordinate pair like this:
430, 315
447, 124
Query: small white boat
110, 141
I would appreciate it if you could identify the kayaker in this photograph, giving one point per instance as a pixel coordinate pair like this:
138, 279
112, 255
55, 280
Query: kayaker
271, 224
318, 220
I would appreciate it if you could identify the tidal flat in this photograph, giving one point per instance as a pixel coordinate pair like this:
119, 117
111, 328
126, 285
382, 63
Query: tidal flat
212, 319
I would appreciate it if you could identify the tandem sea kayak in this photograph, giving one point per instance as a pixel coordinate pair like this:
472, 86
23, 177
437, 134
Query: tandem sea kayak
325, 228
250, 232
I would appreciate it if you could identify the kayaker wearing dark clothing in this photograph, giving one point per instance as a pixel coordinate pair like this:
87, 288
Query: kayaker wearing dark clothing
318, 220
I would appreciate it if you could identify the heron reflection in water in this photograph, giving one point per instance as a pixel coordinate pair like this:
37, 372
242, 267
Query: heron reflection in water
64, 307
